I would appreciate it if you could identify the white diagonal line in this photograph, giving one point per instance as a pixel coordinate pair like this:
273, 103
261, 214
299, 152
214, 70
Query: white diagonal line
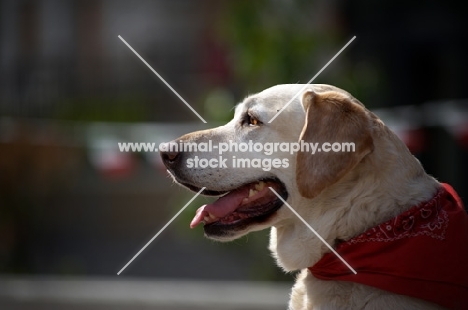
163, 80
161, 230
312, 79
313, 230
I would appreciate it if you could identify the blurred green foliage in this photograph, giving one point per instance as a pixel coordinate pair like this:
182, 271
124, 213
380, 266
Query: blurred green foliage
280, 42
271, 42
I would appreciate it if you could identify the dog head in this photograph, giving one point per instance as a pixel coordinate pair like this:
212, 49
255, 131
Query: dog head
249, 178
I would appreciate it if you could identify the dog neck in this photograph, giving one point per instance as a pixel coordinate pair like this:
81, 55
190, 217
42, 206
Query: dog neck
372, 193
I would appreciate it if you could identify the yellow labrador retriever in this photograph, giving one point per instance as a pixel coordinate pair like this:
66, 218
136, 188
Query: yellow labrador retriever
374, 204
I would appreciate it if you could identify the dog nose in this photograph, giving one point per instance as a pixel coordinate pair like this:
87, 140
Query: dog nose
169, 157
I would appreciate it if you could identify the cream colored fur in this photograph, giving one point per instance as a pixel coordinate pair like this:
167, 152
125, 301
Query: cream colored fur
381, 182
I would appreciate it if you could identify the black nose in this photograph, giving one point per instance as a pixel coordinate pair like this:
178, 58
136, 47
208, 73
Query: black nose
169, 157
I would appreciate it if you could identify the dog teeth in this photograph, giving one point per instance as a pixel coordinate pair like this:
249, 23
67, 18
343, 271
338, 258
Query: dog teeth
260, 185
252, 192
209, 218
245, 200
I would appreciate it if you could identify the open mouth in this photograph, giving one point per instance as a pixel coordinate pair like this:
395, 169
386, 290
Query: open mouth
250, 203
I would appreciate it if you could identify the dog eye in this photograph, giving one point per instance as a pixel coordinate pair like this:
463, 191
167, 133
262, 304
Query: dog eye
252, 121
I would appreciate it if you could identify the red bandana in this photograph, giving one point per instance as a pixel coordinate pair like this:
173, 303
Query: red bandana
422, 253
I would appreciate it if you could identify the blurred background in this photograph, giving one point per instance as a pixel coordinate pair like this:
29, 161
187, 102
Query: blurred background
74, 210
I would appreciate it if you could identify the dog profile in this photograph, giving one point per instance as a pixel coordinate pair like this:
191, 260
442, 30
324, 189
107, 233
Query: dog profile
373, 205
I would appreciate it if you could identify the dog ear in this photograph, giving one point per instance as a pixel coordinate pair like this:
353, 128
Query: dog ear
330, 117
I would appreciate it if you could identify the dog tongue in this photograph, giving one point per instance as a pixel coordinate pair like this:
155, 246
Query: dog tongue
221, 207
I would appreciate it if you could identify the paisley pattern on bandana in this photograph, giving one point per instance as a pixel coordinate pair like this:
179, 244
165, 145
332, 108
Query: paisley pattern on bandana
429, 219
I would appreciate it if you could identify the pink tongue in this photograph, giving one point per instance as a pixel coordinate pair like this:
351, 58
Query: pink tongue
221, 207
